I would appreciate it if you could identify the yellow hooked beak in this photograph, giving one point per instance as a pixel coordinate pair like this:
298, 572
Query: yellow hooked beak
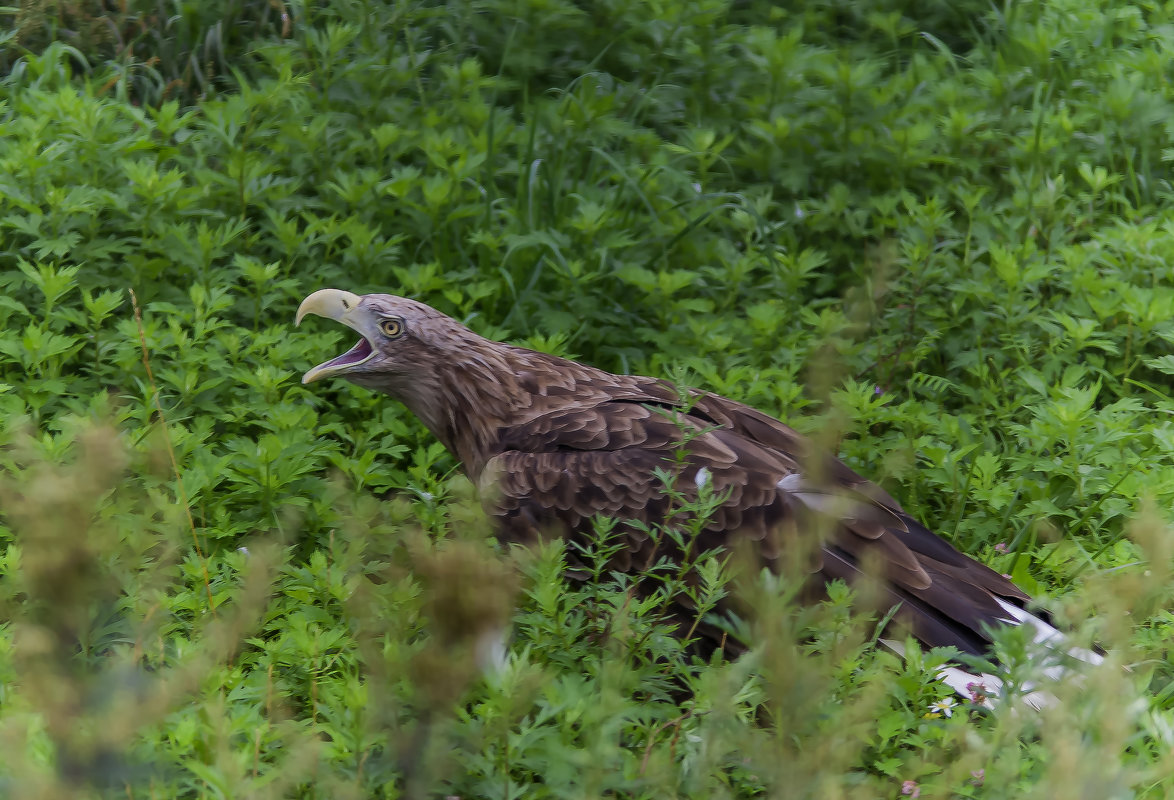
341, 307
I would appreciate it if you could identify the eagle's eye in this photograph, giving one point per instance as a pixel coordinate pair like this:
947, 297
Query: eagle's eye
392, 327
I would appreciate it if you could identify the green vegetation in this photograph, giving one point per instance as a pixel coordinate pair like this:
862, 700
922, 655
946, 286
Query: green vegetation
934, 234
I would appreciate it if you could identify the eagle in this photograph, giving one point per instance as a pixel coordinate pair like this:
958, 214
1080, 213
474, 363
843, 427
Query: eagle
552, 444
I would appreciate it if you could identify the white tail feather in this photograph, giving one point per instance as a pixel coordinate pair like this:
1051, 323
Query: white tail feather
1047, 634
978, 687
982, 687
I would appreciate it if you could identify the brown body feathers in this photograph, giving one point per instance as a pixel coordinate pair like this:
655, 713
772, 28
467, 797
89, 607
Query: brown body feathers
554, 443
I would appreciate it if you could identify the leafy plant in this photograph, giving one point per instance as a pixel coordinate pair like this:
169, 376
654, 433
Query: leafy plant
934, 236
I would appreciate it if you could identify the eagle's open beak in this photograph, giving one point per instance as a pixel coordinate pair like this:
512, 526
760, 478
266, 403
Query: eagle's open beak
341, 307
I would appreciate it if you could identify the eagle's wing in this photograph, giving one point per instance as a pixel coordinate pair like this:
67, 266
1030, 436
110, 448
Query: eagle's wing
554, 473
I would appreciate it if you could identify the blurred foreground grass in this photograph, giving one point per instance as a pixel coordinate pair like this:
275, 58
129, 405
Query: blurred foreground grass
356, 672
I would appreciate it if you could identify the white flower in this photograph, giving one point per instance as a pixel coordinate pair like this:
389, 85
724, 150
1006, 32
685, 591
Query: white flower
945, 707
702, 478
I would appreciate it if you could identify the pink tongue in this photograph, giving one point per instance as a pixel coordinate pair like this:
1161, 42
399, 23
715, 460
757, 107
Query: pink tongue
355, 354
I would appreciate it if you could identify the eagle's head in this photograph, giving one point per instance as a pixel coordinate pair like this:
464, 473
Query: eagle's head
400, 337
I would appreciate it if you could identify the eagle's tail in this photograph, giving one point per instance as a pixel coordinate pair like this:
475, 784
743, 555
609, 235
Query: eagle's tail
984, 689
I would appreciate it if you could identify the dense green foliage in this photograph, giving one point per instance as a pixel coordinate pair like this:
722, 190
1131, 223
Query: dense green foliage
934, 235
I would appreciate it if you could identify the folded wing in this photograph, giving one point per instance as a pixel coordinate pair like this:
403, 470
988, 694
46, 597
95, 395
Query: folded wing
600, 457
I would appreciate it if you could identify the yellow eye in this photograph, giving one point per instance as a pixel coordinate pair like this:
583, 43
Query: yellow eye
392, 327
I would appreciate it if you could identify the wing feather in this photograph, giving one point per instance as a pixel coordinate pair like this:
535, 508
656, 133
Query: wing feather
599, 457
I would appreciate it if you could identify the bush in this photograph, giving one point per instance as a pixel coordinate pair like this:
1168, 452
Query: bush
938, 231
146, 50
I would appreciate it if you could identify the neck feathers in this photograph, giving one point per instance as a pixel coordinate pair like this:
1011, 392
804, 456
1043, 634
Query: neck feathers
466, 396
476, 388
